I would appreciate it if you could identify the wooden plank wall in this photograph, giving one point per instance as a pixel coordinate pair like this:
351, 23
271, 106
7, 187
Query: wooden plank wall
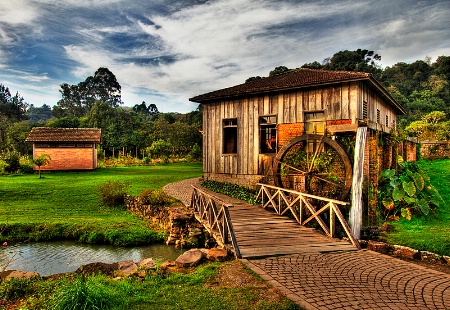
339, 102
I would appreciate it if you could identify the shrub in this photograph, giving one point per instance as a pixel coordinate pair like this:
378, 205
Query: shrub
408, 192
155, 198
112, 193
12, 160
232, 190
195, 153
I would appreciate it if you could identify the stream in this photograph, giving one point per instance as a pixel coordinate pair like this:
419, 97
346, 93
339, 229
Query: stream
47, 258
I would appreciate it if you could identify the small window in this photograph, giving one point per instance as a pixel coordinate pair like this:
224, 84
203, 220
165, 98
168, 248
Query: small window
268, 134
230, 136
315, 122
365, 110
378, 116
387, 121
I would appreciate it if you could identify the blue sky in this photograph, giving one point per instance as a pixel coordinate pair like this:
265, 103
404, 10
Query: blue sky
165, 51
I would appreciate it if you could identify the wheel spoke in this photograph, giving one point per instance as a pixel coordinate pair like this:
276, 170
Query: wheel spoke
293, 168
326, 180
318, 150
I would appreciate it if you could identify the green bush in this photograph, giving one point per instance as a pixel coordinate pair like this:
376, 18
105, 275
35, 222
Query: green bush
195, 153
155, 198
407, 192
232, 190
112, 193
26, 169
12, 160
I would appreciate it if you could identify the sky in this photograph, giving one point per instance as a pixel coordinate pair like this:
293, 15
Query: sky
164, 52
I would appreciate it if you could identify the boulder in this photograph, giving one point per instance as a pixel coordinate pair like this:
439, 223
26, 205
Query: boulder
447, 259
217, 255
379, 247
189, 258
430, 256
94, 268
127, 268
18, 274
147, 263
405, 252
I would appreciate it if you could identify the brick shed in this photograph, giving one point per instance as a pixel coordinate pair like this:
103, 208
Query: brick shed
68, 148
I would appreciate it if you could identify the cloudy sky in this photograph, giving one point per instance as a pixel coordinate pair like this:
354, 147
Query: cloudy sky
166, 51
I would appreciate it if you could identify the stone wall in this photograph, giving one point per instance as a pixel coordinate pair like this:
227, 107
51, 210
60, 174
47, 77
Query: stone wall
435, 149
179, 223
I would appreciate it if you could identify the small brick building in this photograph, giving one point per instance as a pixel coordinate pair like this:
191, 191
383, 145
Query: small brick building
248, 127
68, 148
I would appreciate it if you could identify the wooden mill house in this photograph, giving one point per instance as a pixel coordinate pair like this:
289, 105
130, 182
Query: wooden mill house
297, 130
68, 148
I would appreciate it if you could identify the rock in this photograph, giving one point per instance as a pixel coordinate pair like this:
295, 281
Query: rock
94, 268
387, 227
147, 263
189, 258
429, 256
127, 268
379, 247
447, 259
405, 252
217, 255
18, 274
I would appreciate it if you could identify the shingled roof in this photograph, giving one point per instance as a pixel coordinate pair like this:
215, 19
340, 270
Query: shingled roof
46, 134
293, 79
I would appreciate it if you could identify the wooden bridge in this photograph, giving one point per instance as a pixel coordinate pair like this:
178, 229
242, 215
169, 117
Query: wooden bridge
252, 231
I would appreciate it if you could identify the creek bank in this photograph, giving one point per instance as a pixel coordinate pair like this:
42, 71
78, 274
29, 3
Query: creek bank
178, 222
129, 268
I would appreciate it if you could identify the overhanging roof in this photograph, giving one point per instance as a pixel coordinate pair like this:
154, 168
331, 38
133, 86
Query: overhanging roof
294, 79
47, 134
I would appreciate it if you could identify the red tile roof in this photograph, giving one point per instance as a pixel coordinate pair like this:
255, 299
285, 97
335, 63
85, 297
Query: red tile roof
47, 134
296, 78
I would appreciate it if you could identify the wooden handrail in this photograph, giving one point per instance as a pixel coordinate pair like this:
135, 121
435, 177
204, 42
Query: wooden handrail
213, 213
297, 203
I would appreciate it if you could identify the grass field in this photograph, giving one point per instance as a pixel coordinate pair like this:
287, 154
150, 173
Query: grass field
430, 233
64, 205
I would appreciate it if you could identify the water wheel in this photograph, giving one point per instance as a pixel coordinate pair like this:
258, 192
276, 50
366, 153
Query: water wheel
314, 164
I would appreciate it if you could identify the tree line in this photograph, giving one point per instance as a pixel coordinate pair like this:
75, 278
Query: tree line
96, 102
421, 87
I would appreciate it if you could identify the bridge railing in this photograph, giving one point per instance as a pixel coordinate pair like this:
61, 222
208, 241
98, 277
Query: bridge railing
302, 207
213, 213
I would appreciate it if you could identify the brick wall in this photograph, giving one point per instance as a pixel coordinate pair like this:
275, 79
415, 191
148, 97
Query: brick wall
286, 132
68, 158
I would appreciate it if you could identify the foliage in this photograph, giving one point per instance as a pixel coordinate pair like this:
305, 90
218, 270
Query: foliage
232, 190
16, 135
41, 160
160, 149
112, 193
16, 288
155, 198
196, 153
82, 294
12, 160
428, 233
408, 192
432, 126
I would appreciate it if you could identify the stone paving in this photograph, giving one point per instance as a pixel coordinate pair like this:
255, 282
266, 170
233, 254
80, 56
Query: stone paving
346, 280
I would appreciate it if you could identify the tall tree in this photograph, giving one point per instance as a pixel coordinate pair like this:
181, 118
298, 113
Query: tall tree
78, 99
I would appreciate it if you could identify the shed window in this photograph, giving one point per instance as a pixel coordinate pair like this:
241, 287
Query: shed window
365, 110
230, 136
387, 121
315, 122
378, 116
268, 134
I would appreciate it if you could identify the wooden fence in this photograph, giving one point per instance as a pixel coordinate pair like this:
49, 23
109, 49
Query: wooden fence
213, 213
302, 207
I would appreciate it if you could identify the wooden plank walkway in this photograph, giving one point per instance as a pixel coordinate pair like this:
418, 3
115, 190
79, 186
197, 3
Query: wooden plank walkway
262, 233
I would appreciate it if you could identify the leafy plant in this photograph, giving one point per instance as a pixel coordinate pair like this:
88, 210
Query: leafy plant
232, 190
12, 160
407, 192
155, 198
41, 160
112, 193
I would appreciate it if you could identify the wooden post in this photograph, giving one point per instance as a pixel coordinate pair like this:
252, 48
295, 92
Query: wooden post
332, 220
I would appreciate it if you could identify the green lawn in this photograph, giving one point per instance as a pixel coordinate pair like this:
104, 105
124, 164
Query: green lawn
65, 204
430, 233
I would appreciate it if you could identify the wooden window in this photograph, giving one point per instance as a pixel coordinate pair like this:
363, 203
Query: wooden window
378, 116
230, 136
365, 111
268, 134
387, 121
315, 122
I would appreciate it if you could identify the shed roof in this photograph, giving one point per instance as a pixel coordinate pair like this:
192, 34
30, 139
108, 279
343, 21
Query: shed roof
46, 134
293, 79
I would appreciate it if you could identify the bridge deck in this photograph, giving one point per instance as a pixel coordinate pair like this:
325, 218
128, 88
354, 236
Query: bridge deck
260, 233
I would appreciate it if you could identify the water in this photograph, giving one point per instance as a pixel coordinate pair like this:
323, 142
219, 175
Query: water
47, 258
355, 219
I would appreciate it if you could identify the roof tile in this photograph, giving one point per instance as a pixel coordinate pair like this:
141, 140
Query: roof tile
48, 134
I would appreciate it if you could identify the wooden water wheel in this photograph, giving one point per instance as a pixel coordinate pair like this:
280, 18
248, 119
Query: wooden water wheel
314, 164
